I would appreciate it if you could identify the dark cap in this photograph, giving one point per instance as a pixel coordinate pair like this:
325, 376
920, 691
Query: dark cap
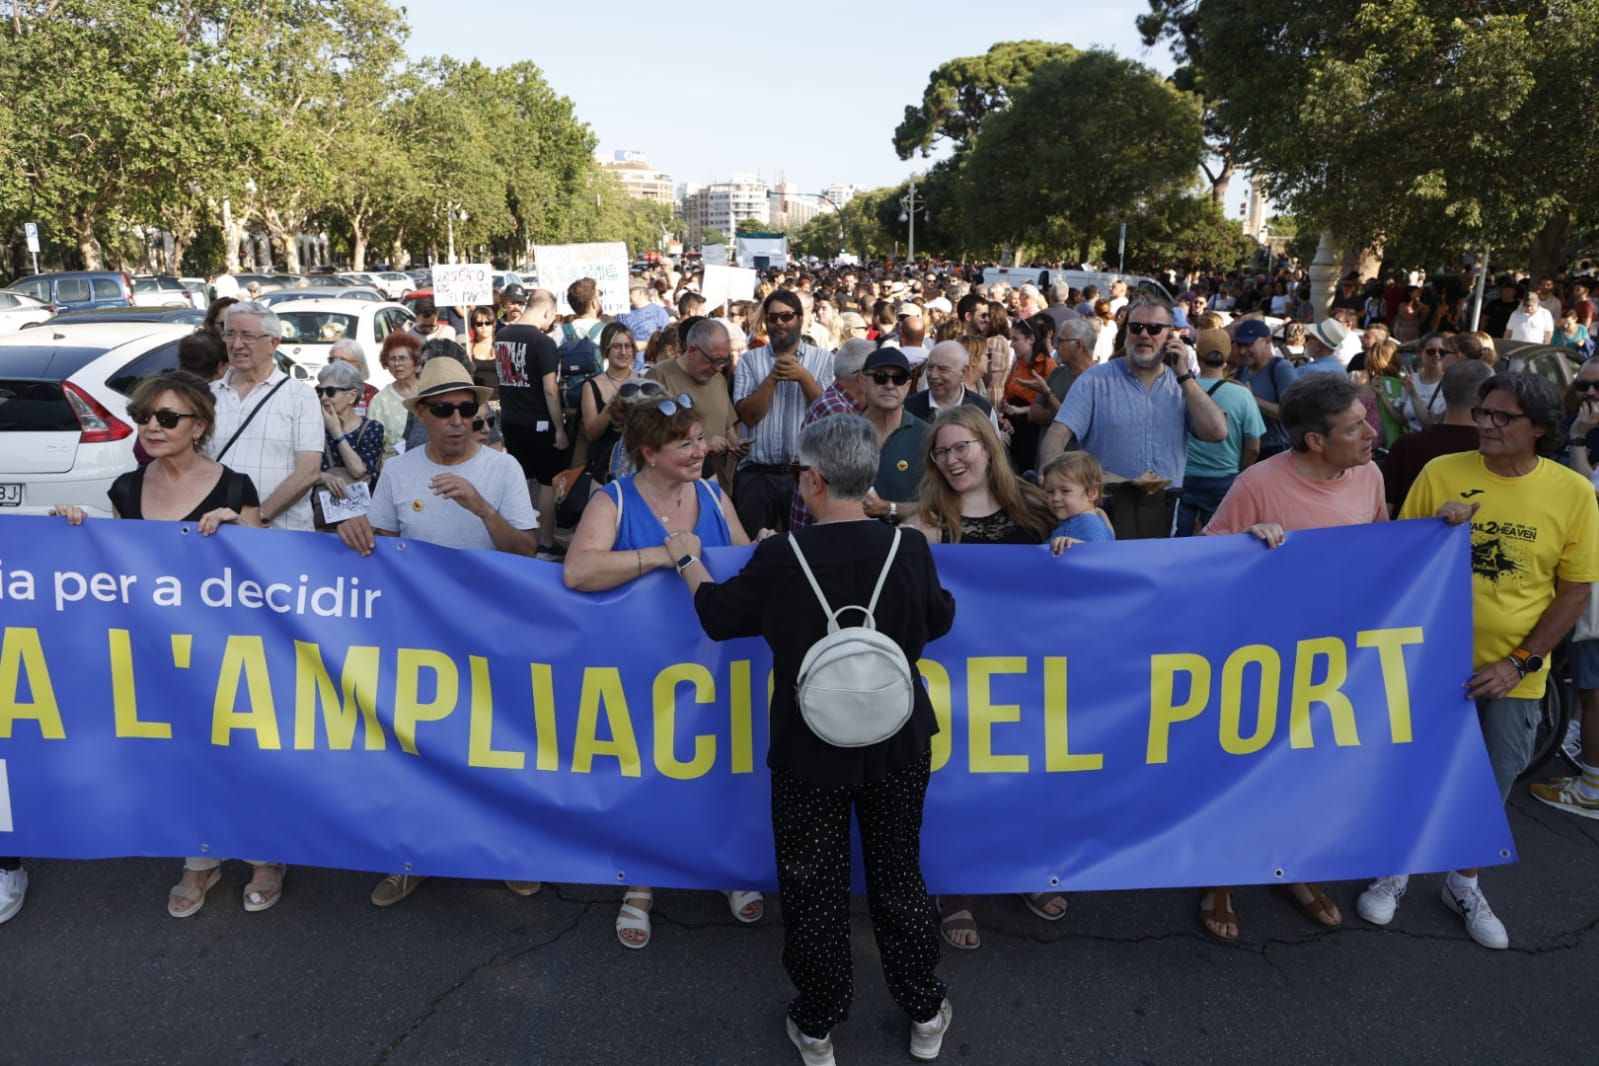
886, 357
514, 294
1251, 330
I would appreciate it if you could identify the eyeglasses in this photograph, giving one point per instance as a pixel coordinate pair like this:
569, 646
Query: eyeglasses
330, 391
230, 335
637, 390
1152, 328
480, 424
684, 402
467, 408
1584, 386
957, 450
796, 469
889, 377
1500, 419
781, 317
164, 418
481, 322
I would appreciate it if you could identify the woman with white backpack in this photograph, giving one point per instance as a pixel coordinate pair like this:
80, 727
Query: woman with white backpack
847, 606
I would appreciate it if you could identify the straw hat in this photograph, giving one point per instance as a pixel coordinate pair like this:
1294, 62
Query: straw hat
441, 375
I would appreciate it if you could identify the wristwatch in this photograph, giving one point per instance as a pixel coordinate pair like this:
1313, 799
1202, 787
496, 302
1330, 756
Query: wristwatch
686, 562
893, 513
1186, 375
1525, 661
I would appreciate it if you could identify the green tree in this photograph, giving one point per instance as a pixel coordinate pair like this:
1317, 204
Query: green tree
1049, 174
1184, 232
1422, 123
1177, 23
963, 92
712, 237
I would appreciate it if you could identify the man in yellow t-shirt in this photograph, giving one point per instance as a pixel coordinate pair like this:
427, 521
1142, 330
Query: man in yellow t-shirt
1534, 551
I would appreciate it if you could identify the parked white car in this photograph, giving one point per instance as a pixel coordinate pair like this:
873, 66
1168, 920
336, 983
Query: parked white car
311, 326
19, 309
164, 292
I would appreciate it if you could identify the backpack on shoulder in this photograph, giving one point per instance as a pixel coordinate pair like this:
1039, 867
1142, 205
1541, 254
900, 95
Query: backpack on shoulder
855, 686
579, 359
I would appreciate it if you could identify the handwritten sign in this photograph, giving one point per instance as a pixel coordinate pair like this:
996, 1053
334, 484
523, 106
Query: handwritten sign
724, 283
559, 265
463, 284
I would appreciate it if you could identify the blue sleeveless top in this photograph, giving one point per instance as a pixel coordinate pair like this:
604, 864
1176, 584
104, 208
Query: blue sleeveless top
640, 528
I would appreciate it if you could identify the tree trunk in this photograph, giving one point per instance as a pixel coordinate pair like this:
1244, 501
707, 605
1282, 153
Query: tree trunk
1547, 257
1218, 187
1365, 262
397, 253
283, 240
88, 245
359, 254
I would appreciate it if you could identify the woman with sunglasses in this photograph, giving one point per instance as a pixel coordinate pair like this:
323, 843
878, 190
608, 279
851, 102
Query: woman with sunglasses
176, 414
1423, 402
480, 346
352, 448
621, 353
970, 495
634, 525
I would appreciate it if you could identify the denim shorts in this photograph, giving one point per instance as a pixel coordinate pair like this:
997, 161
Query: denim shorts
1584, 660
1509, 730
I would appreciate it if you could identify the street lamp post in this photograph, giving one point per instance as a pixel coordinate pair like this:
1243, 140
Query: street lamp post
909, 205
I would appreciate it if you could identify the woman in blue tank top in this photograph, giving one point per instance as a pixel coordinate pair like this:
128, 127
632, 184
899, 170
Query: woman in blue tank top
629, 528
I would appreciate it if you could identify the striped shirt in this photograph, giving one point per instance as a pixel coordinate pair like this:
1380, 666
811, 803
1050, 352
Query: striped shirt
774, 435
289, 423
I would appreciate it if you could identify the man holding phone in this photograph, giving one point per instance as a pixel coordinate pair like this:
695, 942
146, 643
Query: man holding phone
1134, 415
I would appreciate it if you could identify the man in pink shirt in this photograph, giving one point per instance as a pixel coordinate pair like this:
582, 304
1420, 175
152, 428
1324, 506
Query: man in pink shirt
1326, 478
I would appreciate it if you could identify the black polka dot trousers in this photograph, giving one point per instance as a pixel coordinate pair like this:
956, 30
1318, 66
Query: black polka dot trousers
810, 824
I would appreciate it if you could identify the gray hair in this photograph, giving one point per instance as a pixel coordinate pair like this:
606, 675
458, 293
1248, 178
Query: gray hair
844, 450
1144, 299
1461, 382
1029, 289
706, 331
271, 325
1058, 292
342, 375
1309, 404
1078, 329
952, 346
357, 354
1538, 399
849, 359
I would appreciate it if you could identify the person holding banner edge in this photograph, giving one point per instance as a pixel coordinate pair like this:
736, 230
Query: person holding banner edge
815, 785
633, 525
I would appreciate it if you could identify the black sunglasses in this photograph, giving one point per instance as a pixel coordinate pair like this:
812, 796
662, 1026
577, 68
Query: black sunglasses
1151, 328
1584, 386
330, 391
889, 377
467, 408
478, 424
781, 316
164, 418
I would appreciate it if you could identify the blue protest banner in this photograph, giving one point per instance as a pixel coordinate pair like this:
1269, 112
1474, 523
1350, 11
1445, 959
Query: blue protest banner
1191, 712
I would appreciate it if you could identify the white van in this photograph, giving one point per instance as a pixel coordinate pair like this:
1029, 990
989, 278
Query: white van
1077, 279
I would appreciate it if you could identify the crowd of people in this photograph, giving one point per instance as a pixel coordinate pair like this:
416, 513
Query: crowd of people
844, 409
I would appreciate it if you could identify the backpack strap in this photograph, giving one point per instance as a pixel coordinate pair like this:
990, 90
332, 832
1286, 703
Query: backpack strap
882, 578
870, 609
827, 608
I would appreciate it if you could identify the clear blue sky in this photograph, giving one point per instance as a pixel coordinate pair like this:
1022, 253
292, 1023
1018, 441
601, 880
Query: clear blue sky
811, 91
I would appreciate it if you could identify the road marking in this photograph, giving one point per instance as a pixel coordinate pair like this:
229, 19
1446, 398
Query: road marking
5, 800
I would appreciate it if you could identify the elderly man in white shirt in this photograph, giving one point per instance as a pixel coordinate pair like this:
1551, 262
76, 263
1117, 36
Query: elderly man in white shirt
269, 425
1530, 322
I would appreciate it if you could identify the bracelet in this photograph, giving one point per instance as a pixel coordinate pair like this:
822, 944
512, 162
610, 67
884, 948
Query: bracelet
1580, 444
640, 554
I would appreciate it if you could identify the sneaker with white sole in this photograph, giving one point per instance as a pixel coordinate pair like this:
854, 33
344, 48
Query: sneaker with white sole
1564, 794
1381, 898
927, 1038
395, 887
13, 890
815, 1052
1472, 906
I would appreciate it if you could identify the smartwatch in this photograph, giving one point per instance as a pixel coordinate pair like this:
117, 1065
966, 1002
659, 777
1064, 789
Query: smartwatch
686, 562
1525, 661
1185, 376
893, 513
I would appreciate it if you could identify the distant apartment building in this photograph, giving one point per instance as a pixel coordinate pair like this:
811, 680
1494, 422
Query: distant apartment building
722, 205
640, 180
839, 193
790, 208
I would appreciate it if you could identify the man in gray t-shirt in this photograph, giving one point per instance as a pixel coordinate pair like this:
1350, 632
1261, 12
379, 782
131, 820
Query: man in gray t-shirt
452, 491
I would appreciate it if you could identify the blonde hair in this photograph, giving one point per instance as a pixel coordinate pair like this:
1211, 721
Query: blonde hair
1080, 468
940, 505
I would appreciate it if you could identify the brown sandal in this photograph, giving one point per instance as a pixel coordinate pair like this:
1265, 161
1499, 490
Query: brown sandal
1218, 913
1318, 908
958, 919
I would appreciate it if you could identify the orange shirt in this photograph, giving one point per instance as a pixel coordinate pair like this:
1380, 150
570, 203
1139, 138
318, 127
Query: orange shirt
1020, 392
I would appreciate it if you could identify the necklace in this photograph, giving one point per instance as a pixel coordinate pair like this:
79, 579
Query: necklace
666, 515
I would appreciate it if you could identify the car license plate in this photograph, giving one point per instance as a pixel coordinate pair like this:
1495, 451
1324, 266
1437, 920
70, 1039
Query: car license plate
10, 495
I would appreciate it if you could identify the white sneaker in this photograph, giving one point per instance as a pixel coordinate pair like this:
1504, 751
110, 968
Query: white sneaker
815, 1052
1381, 898
927, 1038
13, 890
1472, 906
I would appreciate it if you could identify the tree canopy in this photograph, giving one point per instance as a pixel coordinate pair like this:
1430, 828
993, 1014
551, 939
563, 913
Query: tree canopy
963, 92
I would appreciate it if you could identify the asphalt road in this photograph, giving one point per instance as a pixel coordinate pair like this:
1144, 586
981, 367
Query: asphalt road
94, 971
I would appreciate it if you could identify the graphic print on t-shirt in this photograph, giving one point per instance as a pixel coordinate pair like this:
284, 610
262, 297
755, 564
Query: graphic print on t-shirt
1499, 549
511, 359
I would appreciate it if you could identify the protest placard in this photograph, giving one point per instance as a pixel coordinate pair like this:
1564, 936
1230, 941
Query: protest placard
714, 255
561, 264
463, 284
724, 283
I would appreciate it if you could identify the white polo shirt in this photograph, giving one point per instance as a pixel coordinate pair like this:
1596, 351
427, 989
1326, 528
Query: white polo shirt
290, 422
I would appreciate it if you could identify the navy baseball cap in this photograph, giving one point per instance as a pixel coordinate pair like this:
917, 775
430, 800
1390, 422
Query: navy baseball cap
1251, 330
887, 357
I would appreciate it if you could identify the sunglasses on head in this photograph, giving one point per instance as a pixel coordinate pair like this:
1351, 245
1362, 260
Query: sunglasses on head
684, 402
467, 408
330, 391
889, 377
1151, 328
636, 390
164, 418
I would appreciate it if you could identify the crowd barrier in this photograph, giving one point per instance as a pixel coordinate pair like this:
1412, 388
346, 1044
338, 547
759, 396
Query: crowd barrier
1146, 714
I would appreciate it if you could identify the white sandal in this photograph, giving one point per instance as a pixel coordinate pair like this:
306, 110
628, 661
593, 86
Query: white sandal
634, 919
738, 899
